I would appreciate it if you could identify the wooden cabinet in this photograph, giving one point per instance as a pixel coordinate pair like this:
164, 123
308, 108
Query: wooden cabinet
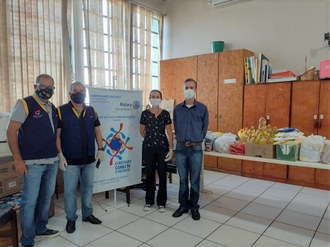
230, 99
310, 113
173, 72
207, 92
271, 101
221, 80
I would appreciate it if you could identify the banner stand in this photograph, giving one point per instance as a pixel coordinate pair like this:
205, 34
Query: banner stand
119, 112
115, 198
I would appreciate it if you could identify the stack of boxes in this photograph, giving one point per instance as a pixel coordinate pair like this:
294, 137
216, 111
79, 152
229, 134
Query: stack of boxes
10, 181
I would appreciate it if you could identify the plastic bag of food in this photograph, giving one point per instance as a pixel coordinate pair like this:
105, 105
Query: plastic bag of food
222, 143
311, 148
325, 155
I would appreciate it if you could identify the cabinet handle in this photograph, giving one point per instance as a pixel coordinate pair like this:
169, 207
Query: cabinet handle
320, 121
220, 116
267, 119
315, 124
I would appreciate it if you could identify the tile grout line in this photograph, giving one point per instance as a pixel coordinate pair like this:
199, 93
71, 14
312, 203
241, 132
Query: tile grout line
319, 225
277, 217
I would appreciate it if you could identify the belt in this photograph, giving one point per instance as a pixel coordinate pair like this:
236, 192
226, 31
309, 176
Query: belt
190, 144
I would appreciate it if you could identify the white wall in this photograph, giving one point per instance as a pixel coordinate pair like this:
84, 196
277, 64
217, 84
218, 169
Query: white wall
284, 30
156, 5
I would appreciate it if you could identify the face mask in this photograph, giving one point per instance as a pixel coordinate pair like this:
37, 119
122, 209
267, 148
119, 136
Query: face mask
78, 98
44, 92
189, 93
155, 102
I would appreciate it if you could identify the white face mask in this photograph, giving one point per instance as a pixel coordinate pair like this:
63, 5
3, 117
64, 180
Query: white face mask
155, 102
189, 93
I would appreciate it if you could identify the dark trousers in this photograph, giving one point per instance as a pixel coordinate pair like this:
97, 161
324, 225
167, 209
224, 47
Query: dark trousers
152, 157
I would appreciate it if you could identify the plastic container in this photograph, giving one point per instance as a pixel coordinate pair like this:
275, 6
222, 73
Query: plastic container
217, 46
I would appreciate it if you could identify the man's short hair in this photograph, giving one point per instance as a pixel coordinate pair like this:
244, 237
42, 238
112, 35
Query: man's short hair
190, 79
77, 83
46, 76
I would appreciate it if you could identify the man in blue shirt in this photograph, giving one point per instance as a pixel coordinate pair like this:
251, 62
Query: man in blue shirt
31, 137
78, 129
190, 123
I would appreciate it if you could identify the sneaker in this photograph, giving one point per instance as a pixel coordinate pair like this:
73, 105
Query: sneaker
49, 233
161, 209
147, 207
92, 219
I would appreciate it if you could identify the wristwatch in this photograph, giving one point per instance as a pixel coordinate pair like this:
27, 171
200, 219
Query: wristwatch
101, 149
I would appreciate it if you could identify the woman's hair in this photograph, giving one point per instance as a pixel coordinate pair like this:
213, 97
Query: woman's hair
155, 90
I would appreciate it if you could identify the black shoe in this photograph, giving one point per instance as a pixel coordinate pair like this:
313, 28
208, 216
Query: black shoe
92, 219
28, 245
179, 212
70, 226
195, 214
49, 233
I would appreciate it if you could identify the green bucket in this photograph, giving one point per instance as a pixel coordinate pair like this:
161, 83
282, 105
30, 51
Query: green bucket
217, 46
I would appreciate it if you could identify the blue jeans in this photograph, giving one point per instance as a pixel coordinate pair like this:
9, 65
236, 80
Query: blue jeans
72, 175
38, 189
189, 165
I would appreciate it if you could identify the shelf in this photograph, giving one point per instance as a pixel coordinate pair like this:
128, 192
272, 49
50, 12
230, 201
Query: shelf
273, 161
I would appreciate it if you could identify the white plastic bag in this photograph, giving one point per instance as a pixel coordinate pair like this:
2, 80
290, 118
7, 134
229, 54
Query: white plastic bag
325, 155
222, 143
311, 148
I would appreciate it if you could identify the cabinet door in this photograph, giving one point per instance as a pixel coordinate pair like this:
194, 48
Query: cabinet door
304, 105
324, 109
231, 81
207, 89
322, 176
302, 175
254, 108
207, 93
172, 74
252, 168
230, 100
278, 99
254, 104
305, 101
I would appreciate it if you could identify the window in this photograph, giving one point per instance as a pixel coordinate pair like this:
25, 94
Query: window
142, 38
101, 47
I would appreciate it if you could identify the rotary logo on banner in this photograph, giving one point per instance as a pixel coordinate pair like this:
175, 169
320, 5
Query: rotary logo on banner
119, 112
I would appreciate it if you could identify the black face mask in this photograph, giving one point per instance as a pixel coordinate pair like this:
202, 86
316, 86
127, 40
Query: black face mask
78, 98
44, 92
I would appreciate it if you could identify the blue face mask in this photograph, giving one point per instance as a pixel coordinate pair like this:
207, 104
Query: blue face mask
44, 92
78, 98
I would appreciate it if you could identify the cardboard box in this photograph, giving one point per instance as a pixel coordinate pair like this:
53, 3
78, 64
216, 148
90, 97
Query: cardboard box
287, 152
10, 181
259, 150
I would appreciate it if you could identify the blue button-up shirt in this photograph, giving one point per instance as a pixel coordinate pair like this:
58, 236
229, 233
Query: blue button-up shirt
190, 123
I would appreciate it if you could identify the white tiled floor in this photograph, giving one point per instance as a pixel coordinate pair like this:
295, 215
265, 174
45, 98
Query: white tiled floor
239, 212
